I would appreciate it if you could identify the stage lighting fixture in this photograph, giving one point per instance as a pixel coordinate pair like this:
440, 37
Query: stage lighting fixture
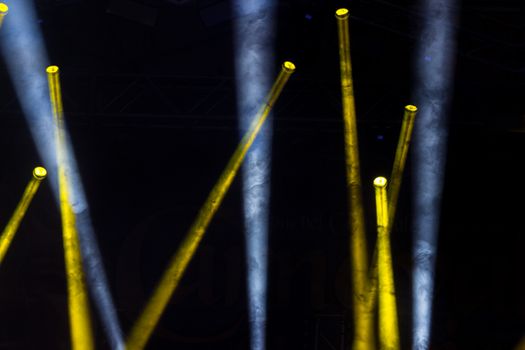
435, 56
79, 317
363, 318
388, 324
254, 57
39, 174
171, 277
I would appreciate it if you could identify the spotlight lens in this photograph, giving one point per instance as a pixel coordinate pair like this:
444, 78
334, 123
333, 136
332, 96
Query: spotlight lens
380, 182
39, 173
341, 13
289, 66
52, 69
411, 108
3, 8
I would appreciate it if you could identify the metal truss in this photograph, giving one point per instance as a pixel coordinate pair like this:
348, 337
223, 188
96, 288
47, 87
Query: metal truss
133, 100
330, 332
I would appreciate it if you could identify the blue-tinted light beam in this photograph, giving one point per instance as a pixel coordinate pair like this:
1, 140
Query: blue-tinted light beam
254, 38
432, 91
26, 59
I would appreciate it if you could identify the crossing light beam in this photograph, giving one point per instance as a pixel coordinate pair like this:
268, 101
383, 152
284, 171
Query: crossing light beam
254, 63
39, 174
150, 316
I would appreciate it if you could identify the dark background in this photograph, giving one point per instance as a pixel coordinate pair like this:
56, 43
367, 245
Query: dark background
150, 101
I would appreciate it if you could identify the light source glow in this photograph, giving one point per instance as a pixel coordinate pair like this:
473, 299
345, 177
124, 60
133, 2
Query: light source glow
147, 321
3, 9
39, 174
363, 316
26, 59
434, 72
254, 39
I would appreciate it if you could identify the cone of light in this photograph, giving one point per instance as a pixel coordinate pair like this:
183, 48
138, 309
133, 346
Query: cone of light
435, 61
363, 318
3, 12
79, 317
147, 321
393, 190
254, 62
39, 174
388, 324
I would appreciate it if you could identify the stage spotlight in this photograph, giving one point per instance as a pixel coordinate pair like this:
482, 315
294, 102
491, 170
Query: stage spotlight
363, 317
254, 42
147, 321
432, 90
79, 317
39, 174
26, 59
388, 324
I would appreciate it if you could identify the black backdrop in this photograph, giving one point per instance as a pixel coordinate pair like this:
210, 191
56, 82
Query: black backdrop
152, 120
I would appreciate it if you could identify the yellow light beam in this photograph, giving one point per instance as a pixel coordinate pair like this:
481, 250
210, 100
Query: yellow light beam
399, 162
388, 325
3, 11
393, 191
39, 174
147, 321
79, 315
363, 318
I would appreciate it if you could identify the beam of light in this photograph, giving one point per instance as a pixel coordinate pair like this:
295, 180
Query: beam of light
3, 11
26, 59
39, 174
79, 317
144, 326
388, 325
394, 187
254, 38
434, 75
363, 318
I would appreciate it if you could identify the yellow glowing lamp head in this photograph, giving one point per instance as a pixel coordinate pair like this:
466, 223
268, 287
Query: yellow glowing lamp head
39, 173
3, 9
52, 69
289, 66
411, 108
341, 13
380, 182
